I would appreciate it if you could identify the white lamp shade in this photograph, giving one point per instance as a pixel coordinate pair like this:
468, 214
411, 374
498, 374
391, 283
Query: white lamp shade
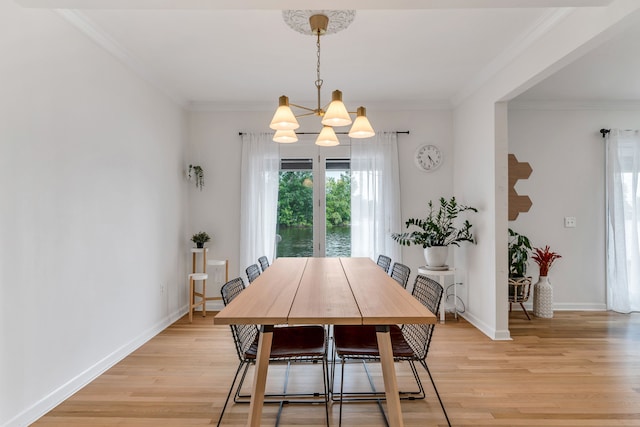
361, 127
285, 136
337, 114
327, 137
284, 119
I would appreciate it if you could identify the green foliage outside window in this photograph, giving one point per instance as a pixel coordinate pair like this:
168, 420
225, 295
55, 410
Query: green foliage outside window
295, 200
339, 201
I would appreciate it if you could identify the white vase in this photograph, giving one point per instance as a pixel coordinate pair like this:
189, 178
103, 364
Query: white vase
436, 256
543, 298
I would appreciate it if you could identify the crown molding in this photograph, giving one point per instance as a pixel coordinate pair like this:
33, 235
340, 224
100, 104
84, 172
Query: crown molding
547, 21
563, 105
100, 37
295, 4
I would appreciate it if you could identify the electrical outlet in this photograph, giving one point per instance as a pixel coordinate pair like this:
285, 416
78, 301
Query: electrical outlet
569, 222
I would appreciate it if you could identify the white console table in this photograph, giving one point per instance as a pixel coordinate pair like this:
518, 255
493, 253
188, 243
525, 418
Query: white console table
442, 275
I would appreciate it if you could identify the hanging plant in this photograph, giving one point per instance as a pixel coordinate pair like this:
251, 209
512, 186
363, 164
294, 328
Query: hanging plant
198, 173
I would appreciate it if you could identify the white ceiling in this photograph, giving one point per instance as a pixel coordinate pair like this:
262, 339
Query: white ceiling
414, 53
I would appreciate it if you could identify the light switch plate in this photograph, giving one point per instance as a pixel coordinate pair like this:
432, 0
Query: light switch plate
569, 221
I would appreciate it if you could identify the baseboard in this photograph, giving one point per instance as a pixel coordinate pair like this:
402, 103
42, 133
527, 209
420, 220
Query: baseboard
485, 329
50, 401
568, 306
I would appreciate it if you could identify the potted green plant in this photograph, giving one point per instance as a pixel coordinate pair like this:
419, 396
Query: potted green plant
519, 283
437, 231
200, 239
196, 172
519, 248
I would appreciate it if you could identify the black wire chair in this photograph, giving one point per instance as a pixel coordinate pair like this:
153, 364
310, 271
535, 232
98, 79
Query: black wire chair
264, 263
410, 343
400, 273
253, 271
299, 344
384, 262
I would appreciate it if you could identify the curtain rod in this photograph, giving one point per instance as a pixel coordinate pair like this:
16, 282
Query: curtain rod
604, 132
337, 133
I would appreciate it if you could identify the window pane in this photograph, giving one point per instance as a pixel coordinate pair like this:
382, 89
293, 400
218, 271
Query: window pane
295, 210
338, 208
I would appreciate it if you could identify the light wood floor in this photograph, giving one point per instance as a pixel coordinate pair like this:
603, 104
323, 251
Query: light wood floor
577, 369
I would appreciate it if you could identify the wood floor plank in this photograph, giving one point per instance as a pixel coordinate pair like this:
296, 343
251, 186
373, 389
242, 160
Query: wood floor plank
577, 369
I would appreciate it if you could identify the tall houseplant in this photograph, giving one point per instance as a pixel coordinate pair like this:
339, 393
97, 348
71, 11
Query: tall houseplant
519, 249
519, 283
438, 230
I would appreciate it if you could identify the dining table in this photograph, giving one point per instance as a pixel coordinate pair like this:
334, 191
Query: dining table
325, 291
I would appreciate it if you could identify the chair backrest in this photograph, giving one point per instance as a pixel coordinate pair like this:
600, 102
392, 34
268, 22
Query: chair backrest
243, 335
429, 293
252, 271
384, 262
232, 289
264, 262
400, 273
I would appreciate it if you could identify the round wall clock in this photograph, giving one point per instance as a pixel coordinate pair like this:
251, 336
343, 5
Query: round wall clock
428, 157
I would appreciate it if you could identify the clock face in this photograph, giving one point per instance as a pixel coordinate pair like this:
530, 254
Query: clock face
428, 157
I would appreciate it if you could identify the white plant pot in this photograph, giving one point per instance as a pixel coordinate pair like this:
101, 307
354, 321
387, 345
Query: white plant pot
436, 256
543, 298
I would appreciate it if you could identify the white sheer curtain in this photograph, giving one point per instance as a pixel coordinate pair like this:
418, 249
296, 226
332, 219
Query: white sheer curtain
623, 216
375, 196
259, 197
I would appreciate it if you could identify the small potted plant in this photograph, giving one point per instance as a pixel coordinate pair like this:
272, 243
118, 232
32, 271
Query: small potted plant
198, 173
545, 258
542, 290
200, 239
437, 231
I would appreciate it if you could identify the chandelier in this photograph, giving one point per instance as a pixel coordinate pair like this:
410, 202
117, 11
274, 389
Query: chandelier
285, 122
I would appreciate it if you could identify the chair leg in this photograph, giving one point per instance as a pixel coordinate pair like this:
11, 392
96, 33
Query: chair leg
224, 407
204, 298
325, 374
525, 311
444, 411
191, 298
341, 392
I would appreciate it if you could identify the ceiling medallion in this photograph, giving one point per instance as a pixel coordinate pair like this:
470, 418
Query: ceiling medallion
298, 20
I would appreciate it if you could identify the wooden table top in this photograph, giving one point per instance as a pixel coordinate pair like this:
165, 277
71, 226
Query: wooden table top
341, 291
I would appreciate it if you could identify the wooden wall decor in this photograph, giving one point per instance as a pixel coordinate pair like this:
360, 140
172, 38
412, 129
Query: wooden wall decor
517, 170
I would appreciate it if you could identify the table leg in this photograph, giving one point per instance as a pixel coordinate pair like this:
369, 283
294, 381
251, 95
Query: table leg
260, 376
389, 376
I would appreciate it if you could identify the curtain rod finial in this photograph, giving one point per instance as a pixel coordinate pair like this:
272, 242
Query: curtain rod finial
604, 132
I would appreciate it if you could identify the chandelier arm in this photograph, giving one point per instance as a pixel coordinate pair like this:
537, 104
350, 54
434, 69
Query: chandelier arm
300, 106
312, 113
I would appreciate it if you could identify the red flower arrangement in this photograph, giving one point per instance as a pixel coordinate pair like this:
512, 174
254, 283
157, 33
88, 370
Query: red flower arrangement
544, 258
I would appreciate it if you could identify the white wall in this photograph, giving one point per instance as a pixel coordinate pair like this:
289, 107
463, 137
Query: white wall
480, 160
566, 152
92, 215
216, 145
